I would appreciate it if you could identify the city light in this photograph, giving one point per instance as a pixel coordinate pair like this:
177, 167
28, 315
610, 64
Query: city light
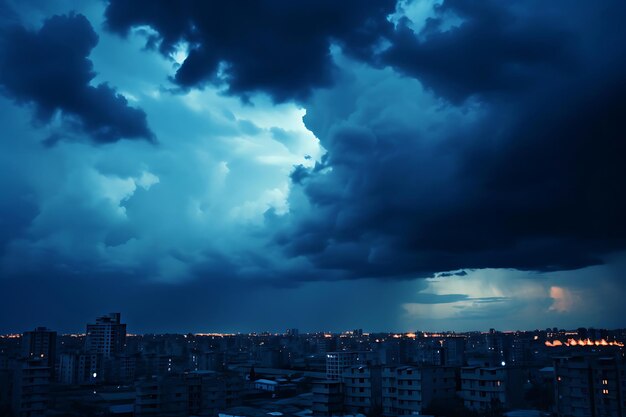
581, 342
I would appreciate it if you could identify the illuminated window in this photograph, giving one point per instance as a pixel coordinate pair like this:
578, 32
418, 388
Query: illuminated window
605, 391
605, 382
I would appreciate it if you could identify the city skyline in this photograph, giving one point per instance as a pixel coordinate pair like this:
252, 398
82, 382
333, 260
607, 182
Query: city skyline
234, 167
80, 332
108, 371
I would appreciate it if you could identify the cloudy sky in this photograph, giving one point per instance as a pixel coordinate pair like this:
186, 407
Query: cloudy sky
259, 165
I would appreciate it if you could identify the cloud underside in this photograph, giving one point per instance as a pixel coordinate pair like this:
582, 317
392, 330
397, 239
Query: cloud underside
50, 69
446, 170
274, 47
490, 137
502, 148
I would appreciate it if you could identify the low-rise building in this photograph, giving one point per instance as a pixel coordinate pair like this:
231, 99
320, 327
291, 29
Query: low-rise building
327, 398
211, 392
161, 396
408, 390
362, 389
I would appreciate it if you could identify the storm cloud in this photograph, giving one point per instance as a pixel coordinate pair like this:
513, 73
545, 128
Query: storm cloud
50, 68
450, 164
429, 175
280, 48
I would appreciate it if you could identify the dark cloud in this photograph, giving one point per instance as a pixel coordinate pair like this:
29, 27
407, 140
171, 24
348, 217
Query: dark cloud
495, 48
280, 48
451, 274
16, 212
429, 298
50, 68
492, 138
530, 178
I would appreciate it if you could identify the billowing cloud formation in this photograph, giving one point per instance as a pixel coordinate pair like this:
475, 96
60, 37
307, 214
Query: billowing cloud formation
416, 182
485, 47
280, 48
564, 299
50, 68
423, 172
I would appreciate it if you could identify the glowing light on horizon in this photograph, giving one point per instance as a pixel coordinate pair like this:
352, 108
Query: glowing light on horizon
581, 342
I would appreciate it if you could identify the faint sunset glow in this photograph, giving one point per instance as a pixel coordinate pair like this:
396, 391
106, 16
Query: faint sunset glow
563, 299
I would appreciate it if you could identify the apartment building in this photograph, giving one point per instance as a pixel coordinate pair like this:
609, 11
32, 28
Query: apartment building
362, 387
590, 385
407, 390
327, 398
493, 387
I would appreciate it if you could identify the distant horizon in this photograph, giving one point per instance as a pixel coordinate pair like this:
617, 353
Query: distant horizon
319, 332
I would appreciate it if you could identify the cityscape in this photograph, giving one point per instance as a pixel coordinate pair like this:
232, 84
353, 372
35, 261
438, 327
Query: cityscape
107, 371
312, 208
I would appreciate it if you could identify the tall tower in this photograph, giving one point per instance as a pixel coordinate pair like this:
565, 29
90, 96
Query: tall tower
107, 336
40, 344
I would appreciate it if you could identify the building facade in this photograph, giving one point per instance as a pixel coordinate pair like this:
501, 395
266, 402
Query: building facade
40, 343
327, 398
31, 386
490, 388
362, 385
337, 362
107, 336
590, 385
407, 390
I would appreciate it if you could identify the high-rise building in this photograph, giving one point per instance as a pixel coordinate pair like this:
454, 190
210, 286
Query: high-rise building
590, 385
107, 336
31, 386
40, 343
90, 368
68, 368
